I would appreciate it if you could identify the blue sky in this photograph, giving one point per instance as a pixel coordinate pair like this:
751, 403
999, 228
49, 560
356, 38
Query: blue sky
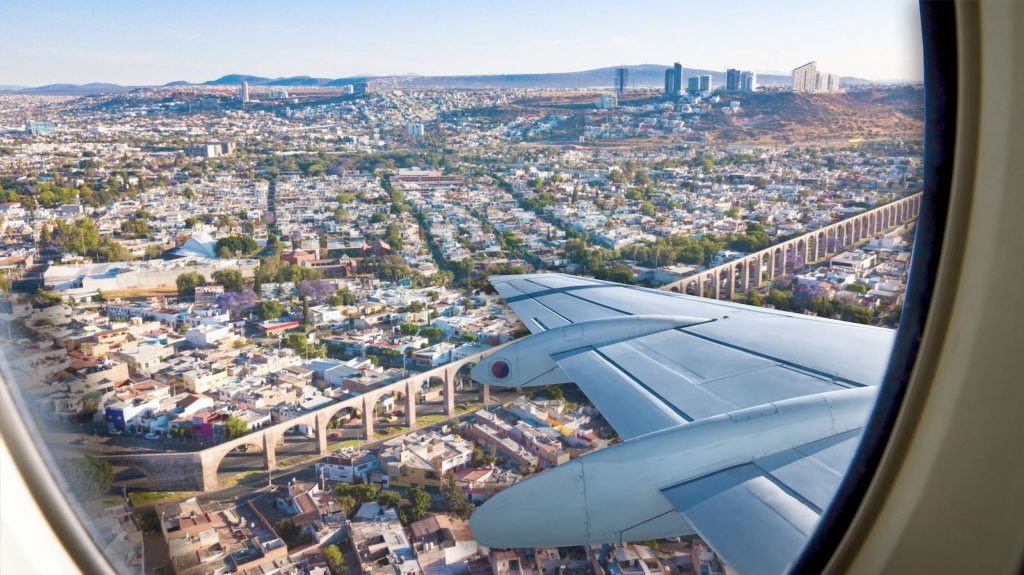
153, 42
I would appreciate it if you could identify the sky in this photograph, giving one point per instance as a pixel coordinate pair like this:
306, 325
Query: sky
143, 42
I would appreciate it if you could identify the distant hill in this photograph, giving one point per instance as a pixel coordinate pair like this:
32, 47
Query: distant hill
640, 76
76, 89
236, 79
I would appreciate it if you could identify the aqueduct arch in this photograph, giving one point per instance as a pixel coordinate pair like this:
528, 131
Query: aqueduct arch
795, 253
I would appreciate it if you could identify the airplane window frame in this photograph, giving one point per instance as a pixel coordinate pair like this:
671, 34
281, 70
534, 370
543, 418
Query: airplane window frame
940, 50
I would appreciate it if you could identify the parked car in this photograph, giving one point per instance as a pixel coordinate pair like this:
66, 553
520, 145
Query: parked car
152, 436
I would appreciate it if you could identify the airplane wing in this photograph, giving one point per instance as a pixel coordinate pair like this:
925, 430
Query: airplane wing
656, 363
737, 356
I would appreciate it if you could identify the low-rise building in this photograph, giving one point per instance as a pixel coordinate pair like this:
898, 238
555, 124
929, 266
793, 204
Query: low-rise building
349, 465
208, 335
383, 548
442, 540
421, 459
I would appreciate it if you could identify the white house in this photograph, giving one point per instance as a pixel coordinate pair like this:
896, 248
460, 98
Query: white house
208, 335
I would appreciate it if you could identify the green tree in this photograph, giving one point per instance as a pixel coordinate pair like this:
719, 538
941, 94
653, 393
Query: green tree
269, 309
388, 498
44, 298
393, 236
481, 457
416, 508
111, 251
89, 477
234, 427
187, 283
454, 498
754, 298
346, 503
291, 534
780, 299
148, 521
347, 298
230, 279
82, 237
136, 228
409, 329
618, 272
235, 246
269, 270
298, 343
389, 267
858, 314
335, 559
153, 251
359, 492
434, 334
555, 393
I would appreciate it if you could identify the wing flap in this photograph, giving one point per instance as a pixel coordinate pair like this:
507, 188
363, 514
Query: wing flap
629, 407
759, 516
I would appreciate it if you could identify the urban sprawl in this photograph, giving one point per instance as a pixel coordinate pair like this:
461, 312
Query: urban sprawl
242, 316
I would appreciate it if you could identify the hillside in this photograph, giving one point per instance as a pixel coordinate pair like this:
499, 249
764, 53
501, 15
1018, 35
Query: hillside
788, 118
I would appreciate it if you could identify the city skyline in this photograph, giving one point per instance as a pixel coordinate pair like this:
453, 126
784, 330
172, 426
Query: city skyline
126, 44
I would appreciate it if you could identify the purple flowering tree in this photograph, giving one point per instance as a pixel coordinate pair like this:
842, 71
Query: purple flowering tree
316, 291
236, 303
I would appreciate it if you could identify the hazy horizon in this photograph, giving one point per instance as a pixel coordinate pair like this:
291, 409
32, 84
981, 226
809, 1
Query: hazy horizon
414, 74
122, 42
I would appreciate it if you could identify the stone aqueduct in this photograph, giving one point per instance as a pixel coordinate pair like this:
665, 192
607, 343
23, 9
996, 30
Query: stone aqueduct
197, 470
742, 274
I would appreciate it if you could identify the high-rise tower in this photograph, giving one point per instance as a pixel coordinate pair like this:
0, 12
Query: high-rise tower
621, 80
